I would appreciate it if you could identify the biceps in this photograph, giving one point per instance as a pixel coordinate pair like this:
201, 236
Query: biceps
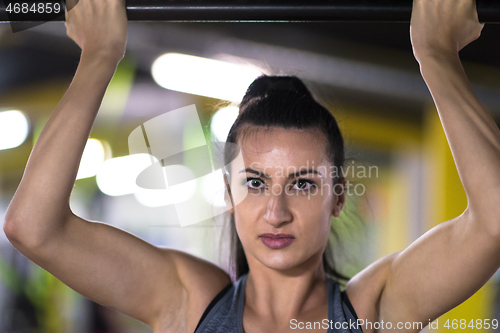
440, 270
113, 268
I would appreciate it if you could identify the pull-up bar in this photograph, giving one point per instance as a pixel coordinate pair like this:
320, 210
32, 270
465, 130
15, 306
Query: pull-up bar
243, 10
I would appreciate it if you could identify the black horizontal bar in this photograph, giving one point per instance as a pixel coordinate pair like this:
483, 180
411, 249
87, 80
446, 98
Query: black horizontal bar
257, 10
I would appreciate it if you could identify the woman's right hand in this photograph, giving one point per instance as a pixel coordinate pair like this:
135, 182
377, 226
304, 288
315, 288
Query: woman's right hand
98, 26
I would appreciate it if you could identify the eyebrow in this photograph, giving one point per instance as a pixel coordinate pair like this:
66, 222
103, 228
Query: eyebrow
292, 175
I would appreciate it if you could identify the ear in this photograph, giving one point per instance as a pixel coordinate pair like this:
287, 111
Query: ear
228, 197
339, 193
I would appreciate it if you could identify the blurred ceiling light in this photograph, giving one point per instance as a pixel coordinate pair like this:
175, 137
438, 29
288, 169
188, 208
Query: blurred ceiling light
222, 121
174, 194
92, 159
117, 176
202, 76
13, 129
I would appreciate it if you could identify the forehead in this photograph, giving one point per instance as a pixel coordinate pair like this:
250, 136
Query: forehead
279, 147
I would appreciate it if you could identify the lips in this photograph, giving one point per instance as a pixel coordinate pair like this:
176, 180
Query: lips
276, 241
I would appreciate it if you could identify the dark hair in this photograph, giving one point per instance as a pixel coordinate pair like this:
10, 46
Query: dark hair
285, 102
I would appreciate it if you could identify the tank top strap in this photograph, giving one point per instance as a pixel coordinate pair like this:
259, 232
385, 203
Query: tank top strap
241, 301
225, 312
342, 317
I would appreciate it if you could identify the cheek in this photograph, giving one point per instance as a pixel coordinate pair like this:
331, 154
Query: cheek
245, 220
316, 215
317, 223
317, 205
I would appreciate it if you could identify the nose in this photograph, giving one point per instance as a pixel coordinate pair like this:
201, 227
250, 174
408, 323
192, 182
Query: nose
277, 212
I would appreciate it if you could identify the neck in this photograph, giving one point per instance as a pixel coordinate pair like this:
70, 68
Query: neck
281, 295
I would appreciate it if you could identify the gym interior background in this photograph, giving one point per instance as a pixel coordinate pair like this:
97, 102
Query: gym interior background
364, 72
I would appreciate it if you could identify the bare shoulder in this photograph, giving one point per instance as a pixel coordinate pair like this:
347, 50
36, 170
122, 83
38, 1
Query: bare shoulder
365, 288
202, 281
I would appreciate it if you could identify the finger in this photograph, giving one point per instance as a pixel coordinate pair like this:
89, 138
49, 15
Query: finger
476, 14
70, 4
65, 13
482, 26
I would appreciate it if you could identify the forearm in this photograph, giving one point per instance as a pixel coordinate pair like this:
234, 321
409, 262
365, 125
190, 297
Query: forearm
472, 134
41, 203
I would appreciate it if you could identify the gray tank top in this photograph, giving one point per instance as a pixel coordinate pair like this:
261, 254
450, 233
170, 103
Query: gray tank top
225, 313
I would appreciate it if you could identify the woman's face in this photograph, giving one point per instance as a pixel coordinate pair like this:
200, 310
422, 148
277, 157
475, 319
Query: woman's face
290, 198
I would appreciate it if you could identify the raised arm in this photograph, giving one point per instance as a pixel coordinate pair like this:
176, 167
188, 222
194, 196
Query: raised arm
160, 287
43, 194
453, 260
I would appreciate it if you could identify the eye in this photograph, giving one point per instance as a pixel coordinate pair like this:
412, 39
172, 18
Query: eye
253, 184
304, 184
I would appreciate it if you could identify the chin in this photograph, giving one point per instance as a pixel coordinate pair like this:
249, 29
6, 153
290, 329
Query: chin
280, 260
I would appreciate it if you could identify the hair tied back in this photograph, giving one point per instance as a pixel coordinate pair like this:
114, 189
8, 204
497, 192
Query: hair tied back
283, 85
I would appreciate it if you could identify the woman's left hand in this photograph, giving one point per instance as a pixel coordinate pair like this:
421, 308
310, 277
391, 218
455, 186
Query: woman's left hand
441, 27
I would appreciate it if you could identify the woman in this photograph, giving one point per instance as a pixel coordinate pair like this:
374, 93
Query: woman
283, 233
